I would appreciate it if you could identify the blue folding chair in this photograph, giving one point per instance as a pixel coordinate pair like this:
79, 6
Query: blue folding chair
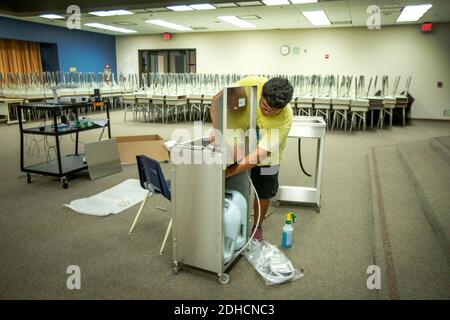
152, 179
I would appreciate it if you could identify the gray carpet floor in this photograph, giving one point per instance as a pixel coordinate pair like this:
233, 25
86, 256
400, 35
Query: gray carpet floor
39, 238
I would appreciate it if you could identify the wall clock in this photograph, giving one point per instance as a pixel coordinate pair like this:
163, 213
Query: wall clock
284, 50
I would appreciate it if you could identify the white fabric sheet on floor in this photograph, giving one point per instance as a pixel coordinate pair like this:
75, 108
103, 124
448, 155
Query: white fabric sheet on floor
110, 201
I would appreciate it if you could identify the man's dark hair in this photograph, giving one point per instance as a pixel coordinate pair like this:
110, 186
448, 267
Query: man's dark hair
277, 92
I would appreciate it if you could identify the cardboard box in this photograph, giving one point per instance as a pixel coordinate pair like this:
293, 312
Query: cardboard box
149, 145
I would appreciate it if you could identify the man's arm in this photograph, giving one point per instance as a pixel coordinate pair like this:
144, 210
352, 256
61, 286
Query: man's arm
250, 161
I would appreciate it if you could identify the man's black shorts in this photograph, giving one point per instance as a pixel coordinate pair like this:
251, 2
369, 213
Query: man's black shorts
265, 180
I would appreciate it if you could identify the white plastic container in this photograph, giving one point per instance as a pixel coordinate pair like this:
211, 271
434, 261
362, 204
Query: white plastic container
235, 223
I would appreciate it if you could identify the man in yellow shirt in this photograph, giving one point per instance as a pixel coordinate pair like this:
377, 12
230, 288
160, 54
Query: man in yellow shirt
273, 121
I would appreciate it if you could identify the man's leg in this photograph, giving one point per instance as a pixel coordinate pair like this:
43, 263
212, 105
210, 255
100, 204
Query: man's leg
265, 203
266, 185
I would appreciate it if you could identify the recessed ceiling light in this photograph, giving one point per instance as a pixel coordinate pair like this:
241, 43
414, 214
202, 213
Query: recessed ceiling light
169, 25
109, 13
341, 23
302, 1
225, 5
51, 16
180, 8
249, 17
141, 11
110, 28
158, 10
237, 22
125, 23
413, 13
249, 4
390, 10
275, 2
204, 6
317, 18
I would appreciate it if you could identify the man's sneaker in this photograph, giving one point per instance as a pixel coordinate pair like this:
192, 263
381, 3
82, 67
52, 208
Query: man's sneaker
258, 234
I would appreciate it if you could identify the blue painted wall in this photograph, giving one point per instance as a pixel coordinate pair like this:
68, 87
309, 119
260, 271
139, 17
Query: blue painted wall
87, 51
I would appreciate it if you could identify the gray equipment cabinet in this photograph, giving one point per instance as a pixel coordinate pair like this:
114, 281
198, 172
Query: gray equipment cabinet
198, 189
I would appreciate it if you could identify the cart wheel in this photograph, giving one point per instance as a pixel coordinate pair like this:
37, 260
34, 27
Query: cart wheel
276, 203
176, 268
28, 178
224, 278
318, 208
65, 185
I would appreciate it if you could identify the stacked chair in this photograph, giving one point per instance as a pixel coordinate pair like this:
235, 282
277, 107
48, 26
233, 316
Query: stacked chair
174, 97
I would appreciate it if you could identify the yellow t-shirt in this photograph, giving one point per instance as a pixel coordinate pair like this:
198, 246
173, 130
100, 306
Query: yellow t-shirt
273, 130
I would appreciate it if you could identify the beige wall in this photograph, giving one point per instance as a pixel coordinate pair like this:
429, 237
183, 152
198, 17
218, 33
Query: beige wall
399, 50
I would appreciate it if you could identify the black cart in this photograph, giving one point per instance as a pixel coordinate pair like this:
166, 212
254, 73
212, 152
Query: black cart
62, 165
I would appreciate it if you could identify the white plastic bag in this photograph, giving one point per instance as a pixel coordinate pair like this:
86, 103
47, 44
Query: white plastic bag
272, 264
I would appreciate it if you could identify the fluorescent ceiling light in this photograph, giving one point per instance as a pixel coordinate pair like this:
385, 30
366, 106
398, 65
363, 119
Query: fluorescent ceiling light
302, 1
109, 13
180, 8
110, 28
413, 13
317, 18
169, 25
204, 6
275, 2
237, 22
249, 3
158, 10
51, 16
225, 5
249, 17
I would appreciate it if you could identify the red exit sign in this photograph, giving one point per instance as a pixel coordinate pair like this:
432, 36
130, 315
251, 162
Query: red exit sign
427, 26
167, 36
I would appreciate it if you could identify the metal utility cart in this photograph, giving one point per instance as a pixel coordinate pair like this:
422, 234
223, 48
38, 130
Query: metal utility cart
306, 127
62, 165
198, 187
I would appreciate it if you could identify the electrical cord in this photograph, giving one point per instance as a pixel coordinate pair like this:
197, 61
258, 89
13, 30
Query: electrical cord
281, 269
101, 134
300, 157
29, 147
274, 266
37, 150
259, 215
49, 147
32, 144
79, 141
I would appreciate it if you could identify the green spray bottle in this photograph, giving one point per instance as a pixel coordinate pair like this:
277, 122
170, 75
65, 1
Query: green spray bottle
288, 230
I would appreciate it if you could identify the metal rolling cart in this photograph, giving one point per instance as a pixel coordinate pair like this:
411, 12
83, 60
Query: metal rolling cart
306, 127
61, 166
198, 188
